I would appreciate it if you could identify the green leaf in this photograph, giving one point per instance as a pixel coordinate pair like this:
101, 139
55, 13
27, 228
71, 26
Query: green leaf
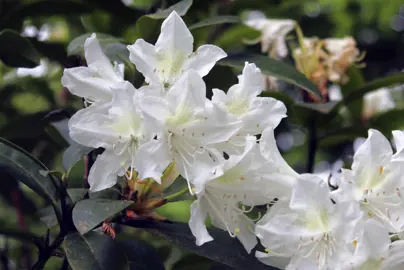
94, 251
388, 121
140, 255
76, 46
77, 194
215, 21
21, 235
181, 8
88, 214
223, 249
236, 35
17, 51
274, 68
374, 85
146, 26
28, 170
356, 80
47, 216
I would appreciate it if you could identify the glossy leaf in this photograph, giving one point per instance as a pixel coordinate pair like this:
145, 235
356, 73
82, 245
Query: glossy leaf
94, 251
17, 51
28, 170
223, 249
140, 255
88, 214
76, 46
273, 68
181, 8
215, 21
77, 194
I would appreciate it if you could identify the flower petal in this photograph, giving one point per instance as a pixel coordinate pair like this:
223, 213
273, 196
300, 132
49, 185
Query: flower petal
197, 223
374, 152
272, 260
105, 170
143, 55
81, 82
251, 83
174, 37
265, 112
203, 60
97, 60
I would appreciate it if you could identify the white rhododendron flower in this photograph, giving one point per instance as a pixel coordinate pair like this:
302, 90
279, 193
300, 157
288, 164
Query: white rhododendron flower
163, 63
310, 230
242, 101
273, 33
248, 179
126, 134
93, 82
377, 101
191, 124
376, 181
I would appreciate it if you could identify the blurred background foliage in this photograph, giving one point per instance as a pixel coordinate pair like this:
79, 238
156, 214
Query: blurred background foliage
29, 95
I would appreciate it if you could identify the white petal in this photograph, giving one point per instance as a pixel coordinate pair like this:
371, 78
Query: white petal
151, 159
203, 60
92, 127
197, 223
219, 97
272, 260
105, 170
97, 60
399, 143
81, 82
143, 55
375, 241
218, 126
251, 83
395, 260
189, 90
175, 37
265, 112
271, 152
374, 152
309, 191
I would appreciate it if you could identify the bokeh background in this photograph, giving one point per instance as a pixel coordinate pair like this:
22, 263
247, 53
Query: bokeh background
28, 96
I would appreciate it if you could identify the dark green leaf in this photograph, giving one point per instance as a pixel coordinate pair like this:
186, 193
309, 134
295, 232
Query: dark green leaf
140, 255
236, 35
94, 251
17, 51
76, 46
181, 8
88, 214
112, 193
223, 249
28, 170
77, 194
274, 68
214, 21
374, 85
47, 216
356, 80
146, 26
388, 121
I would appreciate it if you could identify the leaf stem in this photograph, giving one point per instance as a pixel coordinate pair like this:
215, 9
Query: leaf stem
174, 196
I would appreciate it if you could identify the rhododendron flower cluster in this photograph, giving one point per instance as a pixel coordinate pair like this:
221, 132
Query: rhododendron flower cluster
226, 150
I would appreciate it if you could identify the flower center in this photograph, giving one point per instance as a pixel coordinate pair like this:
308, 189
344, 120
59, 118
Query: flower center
238, 107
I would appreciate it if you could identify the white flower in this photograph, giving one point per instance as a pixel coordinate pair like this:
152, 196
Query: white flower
126, 134
377, 102
93, 82
273, 32
241, 100
192, 123
163, 63
312, 231
248, 180
37, 71
376, 180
